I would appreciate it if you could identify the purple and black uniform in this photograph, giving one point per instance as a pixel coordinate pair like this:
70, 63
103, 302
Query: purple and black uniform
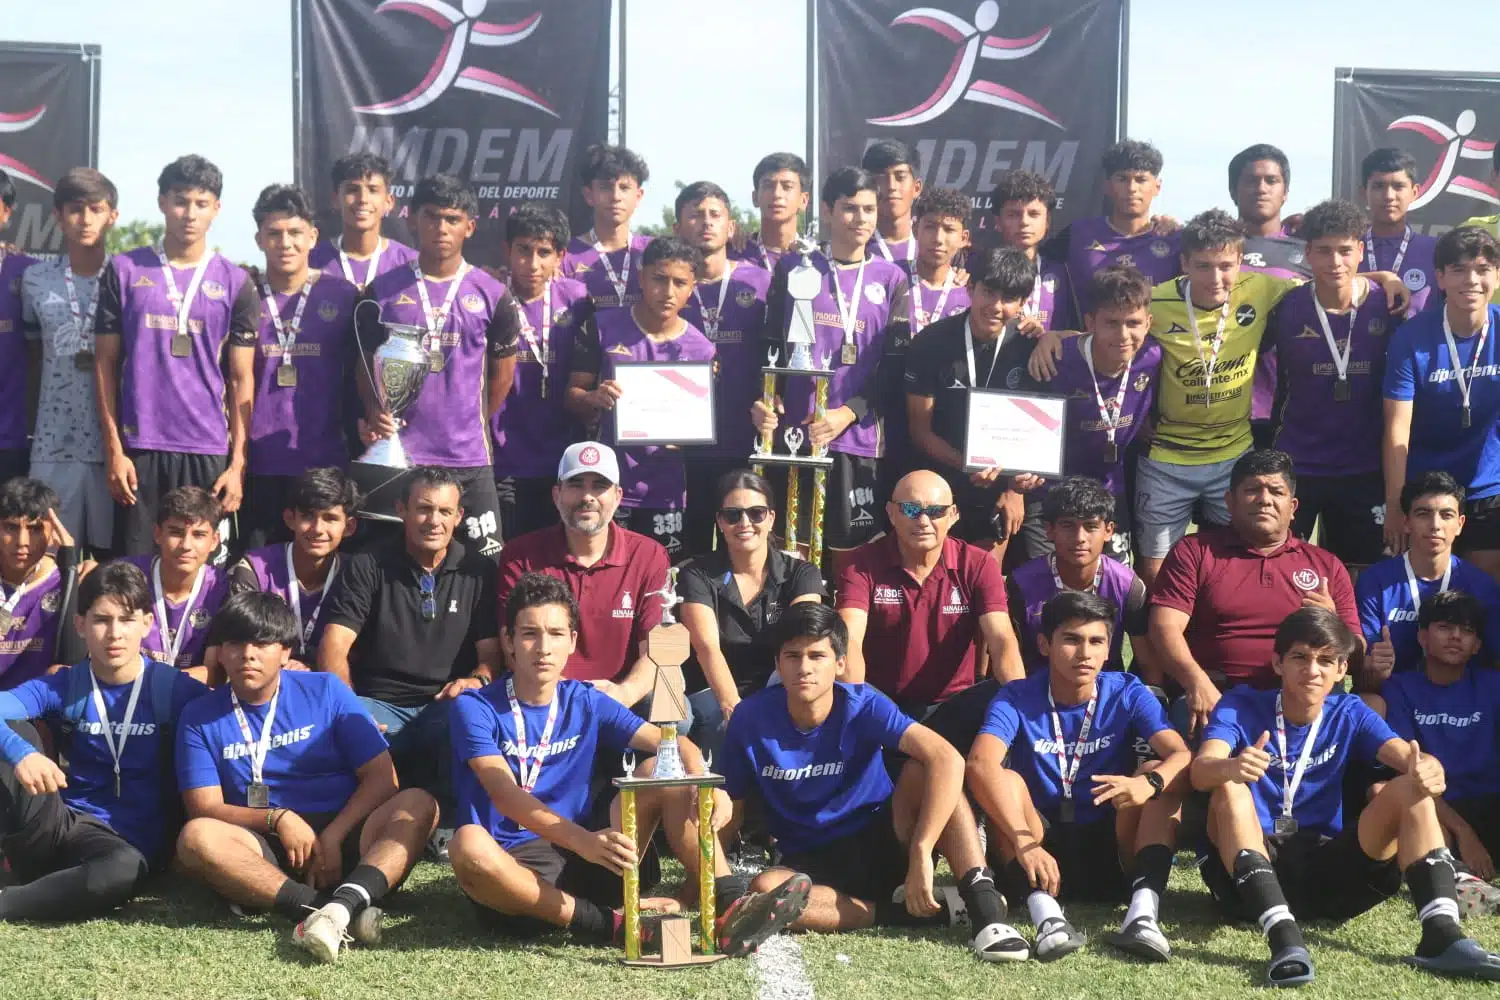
1280, 256
582, 262
14, 448
755, 252
194, 614
1090, 244
268, 570
902, 253
1410, 256
29, 644
325, 257
1033, 583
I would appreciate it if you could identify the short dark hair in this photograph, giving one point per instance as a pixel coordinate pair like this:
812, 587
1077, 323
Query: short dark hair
1333, 219
535, 590
87, 185
1024, 186
123, 582
1214, 229
775, 163
743, 479
358, 166
1452, 607
1119, 286
190, 173
1388, 160
944, 202
7, 190
431, 477
1263, 462
1131, 154
254, 618
282, 199
811, 620
1432, 483
445, 191
887, 153
607, 163
696, 192
1006, 271
664, 249
1077, 606
191, 504
537, 220
323, 489
845, 182
1315, 628
26, 498
1465, 243
1254, 154
1078, 497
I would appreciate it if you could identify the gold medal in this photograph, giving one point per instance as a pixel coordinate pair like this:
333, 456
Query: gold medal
84, 361
850, 355
435, 361
286, 375
182, 345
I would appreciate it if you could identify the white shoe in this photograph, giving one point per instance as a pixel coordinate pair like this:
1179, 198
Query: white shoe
1000, 943
323, 932
437, 844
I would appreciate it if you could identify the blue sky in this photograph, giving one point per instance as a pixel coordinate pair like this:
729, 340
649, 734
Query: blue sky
714, 84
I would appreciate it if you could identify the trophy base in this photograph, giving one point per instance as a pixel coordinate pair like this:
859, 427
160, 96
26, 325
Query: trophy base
804, 372
799, 461
389, 452
657, 962
380, 487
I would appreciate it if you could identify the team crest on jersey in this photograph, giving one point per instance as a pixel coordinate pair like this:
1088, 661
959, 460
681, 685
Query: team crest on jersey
328, 312
886, 594
1298, 257
1245, 314
956, 604
1161, 248
472, 301
745, 297
1013, 378
876, 294
626, 608
405, 300
143, 282
1125, 260
50, 601
1308, 333
562, 317
200, 618
1415, 279
214, 290
1141, 381
1305, 579
16, 624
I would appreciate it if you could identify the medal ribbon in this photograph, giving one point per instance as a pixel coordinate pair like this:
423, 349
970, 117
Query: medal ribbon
1290, 785
435, 321
294, 596
182, 303
83, 322
1465, 379
523, 753
1217, 345
116, 751
1411, 581
172, 638
258, 748
1068, 769
286, 336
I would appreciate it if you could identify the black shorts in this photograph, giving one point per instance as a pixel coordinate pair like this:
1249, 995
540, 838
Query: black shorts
481, 528
158, 473
868, 864
1329, 880
1088, 861
525, 504
272, 850
662, 526
855, 511
1481, 527
1352, 510
959, 719
1483, 814
703, 475
260, 519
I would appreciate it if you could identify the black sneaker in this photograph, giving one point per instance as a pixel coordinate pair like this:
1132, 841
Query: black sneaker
756, 916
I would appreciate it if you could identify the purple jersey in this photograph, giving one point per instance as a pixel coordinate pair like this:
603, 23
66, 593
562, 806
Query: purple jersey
171, 403
1094, 244
730, 314
325, 257
583, 263
1037, 585
880, 302
650, 476
1088, 432
1052, 297
756, 253
533, 428
299, 427
927, 303
1415, 267
28, 646
898, 252
1324, 435
273, 575
445, 426
1280, 256
213, 592
13, 355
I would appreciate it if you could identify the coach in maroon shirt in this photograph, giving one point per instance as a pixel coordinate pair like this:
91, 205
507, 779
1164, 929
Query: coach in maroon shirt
614, 574
1221, 594
915, 599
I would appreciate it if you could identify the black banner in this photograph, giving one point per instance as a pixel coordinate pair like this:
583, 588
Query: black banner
505, 94
977, 88
1448, 121
49, 115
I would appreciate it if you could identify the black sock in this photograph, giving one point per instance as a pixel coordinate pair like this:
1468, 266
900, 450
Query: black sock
1017, 884
891, 914
1257, 884
1153, 866
982, 897
364, 886
728, 888
1432, 881
591, 922
295, 898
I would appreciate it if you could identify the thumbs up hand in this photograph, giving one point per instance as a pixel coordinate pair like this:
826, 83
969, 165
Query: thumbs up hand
1319, 598
1252, 762
1427, 771
1382, 658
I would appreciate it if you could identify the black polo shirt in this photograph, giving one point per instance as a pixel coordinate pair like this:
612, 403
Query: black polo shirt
398, 657
708, 580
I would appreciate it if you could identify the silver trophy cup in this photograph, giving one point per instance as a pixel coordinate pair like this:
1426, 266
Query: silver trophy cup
397, 370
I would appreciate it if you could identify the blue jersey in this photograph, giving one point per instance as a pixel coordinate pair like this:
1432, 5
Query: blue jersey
1125, 719
588, 722
1457, 723
1418, 369
1383, 595
1351, 731
139, 813
819, 786
320, 737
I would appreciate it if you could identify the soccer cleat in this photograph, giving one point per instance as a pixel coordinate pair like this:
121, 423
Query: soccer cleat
756, 916
323, 931
1000, 943
1464, 959
1290, 967
1056, 938
1143, 939
1476, 897
366, 926
437, 844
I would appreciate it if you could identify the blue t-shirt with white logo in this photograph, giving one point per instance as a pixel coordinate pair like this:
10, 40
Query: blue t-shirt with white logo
1418, 369
140, 812
320, 737
1457, 723
1351, 731
1383, 596
819, 786
588, 722
1021, 717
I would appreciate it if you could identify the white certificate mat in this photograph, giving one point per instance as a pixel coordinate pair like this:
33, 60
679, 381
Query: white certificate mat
1015, 431
664, 403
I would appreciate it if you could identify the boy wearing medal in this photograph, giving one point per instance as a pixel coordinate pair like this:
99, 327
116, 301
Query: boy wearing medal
1023, 203
894, 166
1274, 762
291, 795
32, 581
780, 184
362, 196
607, 258
1077, 817
1390, 185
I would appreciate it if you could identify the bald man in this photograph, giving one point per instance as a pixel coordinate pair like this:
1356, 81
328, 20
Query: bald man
914, 601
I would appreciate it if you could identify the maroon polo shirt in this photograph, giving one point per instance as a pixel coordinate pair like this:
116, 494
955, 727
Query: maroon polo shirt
1235, 598
615, 614
919, 642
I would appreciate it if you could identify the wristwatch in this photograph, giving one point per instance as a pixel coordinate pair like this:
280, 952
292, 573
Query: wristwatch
1154, 780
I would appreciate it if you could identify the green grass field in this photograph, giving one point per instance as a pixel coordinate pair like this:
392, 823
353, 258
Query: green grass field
186, 944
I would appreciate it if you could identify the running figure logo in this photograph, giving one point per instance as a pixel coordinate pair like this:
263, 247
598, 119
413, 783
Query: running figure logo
460, 30
1456, 146
20, 121
974, 42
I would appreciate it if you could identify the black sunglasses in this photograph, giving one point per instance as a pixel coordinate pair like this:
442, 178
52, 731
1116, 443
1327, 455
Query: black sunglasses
732, 515
429, 597
916, 510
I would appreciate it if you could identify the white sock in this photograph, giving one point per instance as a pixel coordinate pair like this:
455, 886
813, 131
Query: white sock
1143, 903
1043, 907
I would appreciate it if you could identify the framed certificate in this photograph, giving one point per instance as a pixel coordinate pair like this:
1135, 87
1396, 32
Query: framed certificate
1015, 431
664, 403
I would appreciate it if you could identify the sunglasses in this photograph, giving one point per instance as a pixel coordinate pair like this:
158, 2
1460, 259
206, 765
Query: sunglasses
429, 597
732, 515
915, 510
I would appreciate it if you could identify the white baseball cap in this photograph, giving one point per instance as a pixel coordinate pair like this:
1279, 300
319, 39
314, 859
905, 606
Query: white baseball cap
589, 456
